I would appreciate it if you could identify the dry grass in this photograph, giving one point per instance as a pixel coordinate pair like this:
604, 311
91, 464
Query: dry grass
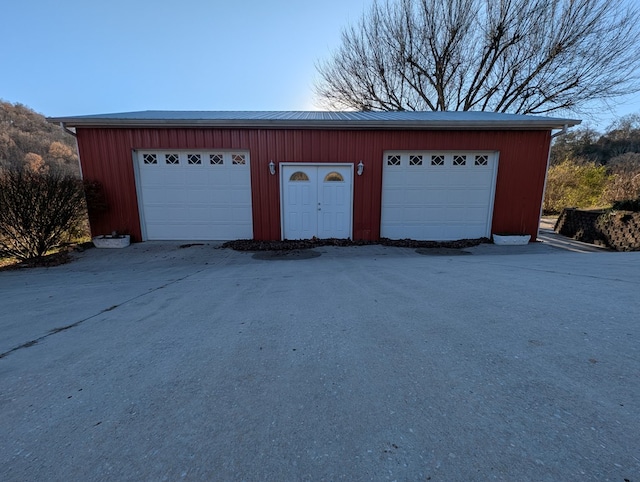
56, 257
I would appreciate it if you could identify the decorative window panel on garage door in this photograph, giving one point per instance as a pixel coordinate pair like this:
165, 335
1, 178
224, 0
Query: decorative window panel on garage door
438, 195
194, 195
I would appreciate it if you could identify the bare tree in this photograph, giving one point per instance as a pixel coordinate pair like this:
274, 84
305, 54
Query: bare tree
518, 56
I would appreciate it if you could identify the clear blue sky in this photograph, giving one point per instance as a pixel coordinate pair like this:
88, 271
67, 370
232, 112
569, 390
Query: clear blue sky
72, 57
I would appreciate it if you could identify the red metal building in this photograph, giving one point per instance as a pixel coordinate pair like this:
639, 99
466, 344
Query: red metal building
276, 175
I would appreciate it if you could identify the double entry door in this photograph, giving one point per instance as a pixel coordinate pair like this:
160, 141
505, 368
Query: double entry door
316, 200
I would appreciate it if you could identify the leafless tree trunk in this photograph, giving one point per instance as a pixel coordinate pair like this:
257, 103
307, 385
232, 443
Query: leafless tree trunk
518, 56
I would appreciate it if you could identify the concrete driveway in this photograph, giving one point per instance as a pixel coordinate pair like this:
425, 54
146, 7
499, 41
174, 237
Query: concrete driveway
370, 363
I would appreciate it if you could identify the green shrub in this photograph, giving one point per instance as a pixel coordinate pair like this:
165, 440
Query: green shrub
572, 184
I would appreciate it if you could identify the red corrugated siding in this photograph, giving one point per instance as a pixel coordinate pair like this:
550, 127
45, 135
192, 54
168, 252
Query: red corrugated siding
106, 156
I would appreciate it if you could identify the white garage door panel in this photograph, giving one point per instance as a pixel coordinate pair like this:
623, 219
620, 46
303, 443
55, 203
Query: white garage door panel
415, 181
413, 216
155, 196
219, 196
197, 179
436, 199
423, 196
199, 196
240, 213
201, 215
237, 178
437, 183
171, 196
172, 178
476, 197
395, 198
157, 215
205, 196
457, 215
240, 196
395, 177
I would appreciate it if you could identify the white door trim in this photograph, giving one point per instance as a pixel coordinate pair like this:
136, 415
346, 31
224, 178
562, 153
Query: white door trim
281, 165
137, 175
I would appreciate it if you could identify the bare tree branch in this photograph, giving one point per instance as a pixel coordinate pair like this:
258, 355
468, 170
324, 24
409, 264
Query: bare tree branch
520, 56
36, 211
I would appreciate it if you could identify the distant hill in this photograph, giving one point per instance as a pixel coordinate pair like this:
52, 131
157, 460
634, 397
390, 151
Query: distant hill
27, 138
621, 142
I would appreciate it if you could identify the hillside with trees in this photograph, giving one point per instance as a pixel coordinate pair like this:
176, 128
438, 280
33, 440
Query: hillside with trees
27, 139
590, 169
42, 201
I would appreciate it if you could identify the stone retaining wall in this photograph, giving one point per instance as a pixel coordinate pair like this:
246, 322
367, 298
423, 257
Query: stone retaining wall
619, 230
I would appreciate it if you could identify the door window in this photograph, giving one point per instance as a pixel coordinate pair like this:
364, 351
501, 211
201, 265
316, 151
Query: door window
299, 176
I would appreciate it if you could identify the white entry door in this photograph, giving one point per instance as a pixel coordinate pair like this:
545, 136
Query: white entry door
316, 201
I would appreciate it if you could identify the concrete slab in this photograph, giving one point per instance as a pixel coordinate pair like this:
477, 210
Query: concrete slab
365, 363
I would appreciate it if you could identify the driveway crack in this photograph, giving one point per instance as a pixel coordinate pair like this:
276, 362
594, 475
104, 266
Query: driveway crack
111, 308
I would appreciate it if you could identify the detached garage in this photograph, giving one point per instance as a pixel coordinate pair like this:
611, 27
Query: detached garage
296, 175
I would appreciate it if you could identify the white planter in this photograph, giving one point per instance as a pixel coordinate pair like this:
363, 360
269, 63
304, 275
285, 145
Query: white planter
110, 241
511, 239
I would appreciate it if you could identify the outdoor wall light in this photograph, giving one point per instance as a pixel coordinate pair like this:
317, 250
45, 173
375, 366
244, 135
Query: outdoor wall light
360, 168
272, 168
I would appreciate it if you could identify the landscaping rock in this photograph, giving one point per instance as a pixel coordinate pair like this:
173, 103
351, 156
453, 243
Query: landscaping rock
286, 245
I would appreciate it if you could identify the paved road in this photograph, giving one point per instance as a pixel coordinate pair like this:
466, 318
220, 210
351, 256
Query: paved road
368, 363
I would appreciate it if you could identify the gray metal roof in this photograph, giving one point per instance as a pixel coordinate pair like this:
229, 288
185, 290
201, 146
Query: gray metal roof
319, 120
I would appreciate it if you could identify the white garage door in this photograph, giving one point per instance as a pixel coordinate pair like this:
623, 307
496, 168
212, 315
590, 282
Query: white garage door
194, 195
437, 195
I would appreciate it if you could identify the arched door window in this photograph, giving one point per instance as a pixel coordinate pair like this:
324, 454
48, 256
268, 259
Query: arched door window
333, 176
299, 176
